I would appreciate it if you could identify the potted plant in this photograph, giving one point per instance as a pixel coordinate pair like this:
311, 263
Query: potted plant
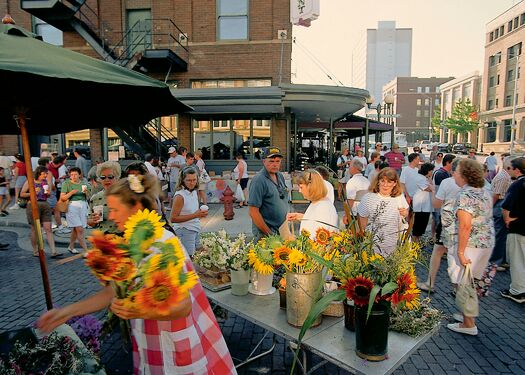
211, 261
261, 258
237, 263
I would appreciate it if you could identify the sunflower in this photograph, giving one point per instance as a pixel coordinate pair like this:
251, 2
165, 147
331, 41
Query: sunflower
158, 294
364, 257
102, 266
108, 244
259, 265
124, 270
187, 281
407, 291
322, 236
305, 233
281, 254
143, 228
297, 258
358, 289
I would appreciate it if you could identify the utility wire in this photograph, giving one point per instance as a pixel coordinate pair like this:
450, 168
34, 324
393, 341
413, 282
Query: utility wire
318, 63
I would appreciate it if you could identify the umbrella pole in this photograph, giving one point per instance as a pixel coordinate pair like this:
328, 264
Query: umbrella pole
34, 209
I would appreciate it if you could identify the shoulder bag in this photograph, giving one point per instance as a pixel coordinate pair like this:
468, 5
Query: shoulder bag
62, 206
466, 295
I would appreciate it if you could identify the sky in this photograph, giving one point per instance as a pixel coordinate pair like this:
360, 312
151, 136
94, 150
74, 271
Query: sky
448, 36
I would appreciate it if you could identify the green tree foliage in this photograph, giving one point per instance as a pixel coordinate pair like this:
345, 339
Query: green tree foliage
436, 121
464, 117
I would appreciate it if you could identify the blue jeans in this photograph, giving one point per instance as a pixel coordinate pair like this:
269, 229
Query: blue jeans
499, 253
190, 239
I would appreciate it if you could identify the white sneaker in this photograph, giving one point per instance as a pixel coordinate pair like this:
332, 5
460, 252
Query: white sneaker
64, 230
472, 331
72, 251
54, 226
14, 207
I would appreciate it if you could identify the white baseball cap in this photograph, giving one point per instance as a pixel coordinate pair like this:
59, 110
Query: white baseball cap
171, 150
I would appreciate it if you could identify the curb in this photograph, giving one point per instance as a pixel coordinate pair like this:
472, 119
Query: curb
17, 224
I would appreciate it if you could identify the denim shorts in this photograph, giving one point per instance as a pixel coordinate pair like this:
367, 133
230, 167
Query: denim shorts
190, 239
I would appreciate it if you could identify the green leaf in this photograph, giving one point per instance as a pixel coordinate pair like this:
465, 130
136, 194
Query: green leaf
315, 311
389, 288
373, 294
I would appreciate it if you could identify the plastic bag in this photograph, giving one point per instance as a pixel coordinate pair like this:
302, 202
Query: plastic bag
239, 195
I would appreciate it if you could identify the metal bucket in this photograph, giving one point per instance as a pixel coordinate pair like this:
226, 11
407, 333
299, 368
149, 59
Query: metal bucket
261, 284
240, 280
371, 336
301, 292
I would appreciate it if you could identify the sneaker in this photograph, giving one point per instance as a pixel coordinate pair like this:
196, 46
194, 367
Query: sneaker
519, 298
5, 212
64, 230
472, 331
72, 251
54, 226
458, 317
14, 207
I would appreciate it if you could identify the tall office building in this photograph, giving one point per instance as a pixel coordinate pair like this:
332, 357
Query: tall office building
385, 53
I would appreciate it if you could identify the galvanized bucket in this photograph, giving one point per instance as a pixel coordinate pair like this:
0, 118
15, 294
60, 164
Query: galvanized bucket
301, 292
240, 280
261, 284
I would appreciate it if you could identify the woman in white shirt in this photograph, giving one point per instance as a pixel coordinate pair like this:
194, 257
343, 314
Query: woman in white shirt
422, 200
382, 211
343, 174
321, 212
360, 156
185, 213
240, 174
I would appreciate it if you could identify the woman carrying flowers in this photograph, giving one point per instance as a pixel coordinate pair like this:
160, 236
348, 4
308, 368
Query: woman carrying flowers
321, 212
170, 335
382, 211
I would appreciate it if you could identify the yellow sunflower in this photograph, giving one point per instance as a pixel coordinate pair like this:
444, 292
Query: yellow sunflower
158, 294
258, 265
144, 227
322, 236
125, 270
297, 258
281, 254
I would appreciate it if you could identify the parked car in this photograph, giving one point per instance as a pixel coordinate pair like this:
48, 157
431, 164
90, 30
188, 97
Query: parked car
423, 145
461, 148
431, 145
444, 147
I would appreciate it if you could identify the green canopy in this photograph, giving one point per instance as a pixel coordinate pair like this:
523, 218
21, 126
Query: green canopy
63, 91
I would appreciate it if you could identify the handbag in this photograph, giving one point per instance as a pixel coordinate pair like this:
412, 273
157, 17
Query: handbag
239, 195
62, 206
466, 294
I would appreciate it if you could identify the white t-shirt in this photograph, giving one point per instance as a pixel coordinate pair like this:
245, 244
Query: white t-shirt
491, 162
321, 211
422, 200
384, 219
447, 192
62, 172
362, 159
151, 169
437, 165
355, 184
330, 188
369, 169
408, 177
191, 204
174, 171
244, 171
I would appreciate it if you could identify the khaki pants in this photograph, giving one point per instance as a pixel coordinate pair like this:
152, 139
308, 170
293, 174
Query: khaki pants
516, 257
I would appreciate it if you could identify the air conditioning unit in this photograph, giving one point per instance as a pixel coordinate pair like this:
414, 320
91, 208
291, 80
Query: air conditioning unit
183, 39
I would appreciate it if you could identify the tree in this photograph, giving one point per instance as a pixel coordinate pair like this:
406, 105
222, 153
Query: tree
436, 121
464, 117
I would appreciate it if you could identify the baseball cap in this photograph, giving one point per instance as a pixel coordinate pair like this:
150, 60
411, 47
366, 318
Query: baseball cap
271, 152
171, 150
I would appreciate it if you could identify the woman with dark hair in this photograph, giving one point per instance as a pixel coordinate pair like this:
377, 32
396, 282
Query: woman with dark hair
240, 174
188, 339
474, 241
76, 215
382, 211
186, 213
422, 200
43, 191
19, 177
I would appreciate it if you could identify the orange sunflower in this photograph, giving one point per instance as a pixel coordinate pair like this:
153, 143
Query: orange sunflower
322, 236
125, 270
407, 291
108, 244
102, 266
281, 255
358, 289
158, 294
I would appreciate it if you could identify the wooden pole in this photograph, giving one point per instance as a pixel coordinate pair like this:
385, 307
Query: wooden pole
34, 209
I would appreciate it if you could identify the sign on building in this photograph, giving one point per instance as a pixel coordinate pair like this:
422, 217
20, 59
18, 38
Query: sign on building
303, 12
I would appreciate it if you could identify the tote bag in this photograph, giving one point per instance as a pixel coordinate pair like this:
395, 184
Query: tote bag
466, 295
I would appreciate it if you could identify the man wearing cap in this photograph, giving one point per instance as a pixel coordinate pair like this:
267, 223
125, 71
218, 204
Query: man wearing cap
175, 163
268, 197
513, 209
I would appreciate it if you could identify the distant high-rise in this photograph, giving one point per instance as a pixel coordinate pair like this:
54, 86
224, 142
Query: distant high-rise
385, 53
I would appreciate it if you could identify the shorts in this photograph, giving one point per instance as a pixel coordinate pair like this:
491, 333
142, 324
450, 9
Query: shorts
190, 239
420, 223
244, 183
76, 215
52, 200
20, 181
44, 211
3, 190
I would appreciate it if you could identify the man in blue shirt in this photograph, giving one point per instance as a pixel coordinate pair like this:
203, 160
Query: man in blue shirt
268, 196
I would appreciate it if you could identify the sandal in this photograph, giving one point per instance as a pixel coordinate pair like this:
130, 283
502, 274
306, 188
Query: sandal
56, 255
425, 287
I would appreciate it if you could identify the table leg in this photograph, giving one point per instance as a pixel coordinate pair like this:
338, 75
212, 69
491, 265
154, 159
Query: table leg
249, 358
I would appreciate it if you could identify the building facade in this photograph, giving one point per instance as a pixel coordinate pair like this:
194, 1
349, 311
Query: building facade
503, 93
385, 53
415, 101
467, 87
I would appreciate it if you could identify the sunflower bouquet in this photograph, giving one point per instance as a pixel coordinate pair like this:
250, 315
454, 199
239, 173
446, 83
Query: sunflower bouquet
149, 275
261, 254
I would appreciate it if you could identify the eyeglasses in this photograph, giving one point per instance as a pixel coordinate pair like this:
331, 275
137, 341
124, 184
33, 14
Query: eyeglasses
109, 177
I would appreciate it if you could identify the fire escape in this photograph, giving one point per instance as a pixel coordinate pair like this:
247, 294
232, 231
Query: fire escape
148, 46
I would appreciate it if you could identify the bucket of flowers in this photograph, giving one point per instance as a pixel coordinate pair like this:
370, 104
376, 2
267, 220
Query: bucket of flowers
211, 261
146, 272
261, 259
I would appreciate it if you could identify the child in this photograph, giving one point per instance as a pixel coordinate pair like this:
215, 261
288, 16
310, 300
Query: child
4, 193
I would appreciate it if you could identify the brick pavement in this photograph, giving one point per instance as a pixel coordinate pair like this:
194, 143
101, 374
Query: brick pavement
499, 348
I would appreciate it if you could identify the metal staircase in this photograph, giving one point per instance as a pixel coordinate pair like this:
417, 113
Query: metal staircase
148, 46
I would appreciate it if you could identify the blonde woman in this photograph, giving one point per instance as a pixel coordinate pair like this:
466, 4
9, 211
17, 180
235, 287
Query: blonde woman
321, 212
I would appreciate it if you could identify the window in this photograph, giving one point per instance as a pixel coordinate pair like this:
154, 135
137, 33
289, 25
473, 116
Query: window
437, 101
496, 34
522, 19
513, 51
508, 101
427, 89
501, 30
491, 132
426, 113
492, 81
497, 80
232, 19
516, 21
427, 102
497, 101
467, 90
438, 89
490, 104
225, 137
510, 75
419, 89
206, 84
492, 60
418, 113
491, 37
507, 130
418, 101
418, 124
509, 26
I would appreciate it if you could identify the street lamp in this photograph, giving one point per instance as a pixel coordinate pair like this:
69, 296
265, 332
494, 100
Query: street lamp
388, 101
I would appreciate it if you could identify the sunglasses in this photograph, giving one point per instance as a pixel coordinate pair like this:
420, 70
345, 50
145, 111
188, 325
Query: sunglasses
109, 177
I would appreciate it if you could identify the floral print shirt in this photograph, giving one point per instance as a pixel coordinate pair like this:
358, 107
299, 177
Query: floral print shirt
478, 203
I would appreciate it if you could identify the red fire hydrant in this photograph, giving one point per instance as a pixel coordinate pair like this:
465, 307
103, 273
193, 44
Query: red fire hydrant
227, 200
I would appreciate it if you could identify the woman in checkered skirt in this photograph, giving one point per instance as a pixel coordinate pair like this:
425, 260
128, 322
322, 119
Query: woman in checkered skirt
189, 340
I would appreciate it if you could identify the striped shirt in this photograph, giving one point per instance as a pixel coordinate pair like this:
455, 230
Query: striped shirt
501, 183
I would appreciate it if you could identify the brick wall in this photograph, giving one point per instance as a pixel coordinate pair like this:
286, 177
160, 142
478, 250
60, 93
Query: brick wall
278, 136
9, 144
184, 131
